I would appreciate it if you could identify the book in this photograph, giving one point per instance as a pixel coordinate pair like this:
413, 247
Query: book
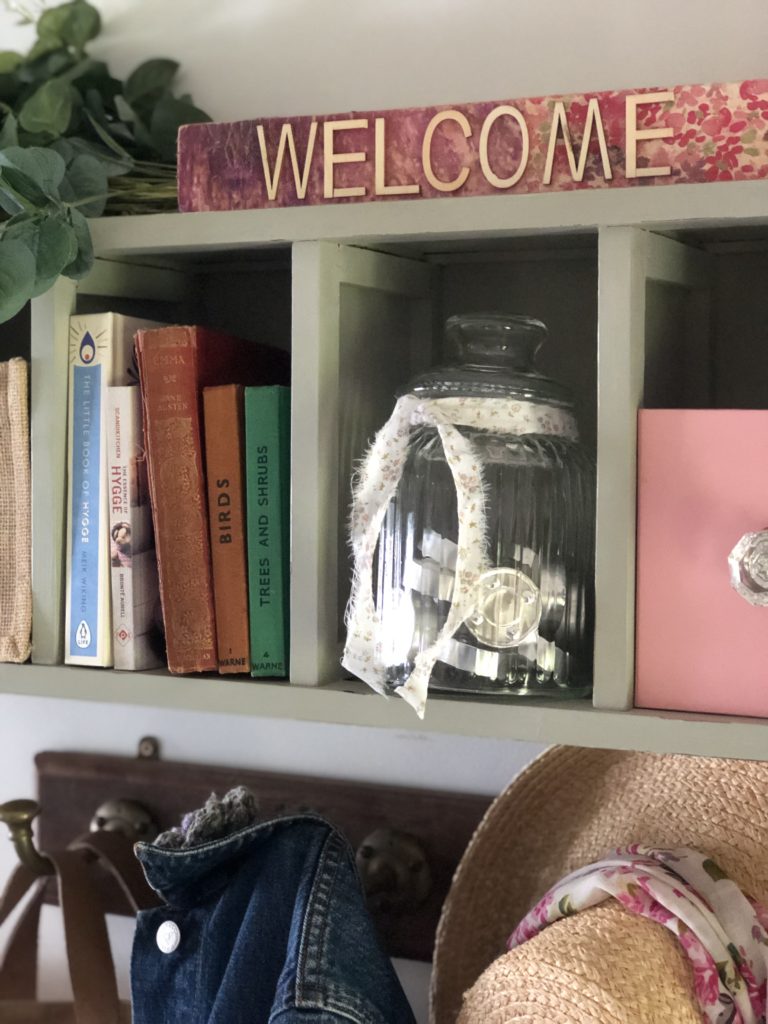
101, 354
175, 364
48, 403
137, 639
224, 459
267, 447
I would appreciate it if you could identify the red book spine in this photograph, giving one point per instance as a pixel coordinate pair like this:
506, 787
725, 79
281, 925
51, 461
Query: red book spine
224, 456
169, 369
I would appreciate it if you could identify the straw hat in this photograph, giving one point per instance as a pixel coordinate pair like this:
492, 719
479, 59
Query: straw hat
603, 965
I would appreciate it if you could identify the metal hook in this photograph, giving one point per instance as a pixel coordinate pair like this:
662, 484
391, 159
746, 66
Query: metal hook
394, 870
126, 816
18, 815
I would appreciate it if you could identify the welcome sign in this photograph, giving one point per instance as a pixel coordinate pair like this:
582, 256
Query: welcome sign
687, 134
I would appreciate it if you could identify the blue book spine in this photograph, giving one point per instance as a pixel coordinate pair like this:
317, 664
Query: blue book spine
85, 538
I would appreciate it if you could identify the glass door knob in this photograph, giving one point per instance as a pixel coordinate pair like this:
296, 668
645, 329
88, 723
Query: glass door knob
748, 563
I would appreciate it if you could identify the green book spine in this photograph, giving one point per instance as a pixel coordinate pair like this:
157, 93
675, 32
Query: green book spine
268, 453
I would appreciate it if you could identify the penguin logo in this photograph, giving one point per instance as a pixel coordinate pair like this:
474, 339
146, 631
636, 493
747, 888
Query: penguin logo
83, 635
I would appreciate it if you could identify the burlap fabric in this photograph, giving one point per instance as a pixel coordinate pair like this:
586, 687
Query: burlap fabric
15, 517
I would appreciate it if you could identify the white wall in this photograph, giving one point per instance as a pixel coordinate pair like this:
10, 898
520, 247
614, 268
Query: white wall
247, 58
244, 58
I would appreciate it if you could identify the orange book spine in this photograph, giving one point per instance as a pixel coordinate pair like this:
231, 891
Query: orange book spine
169, 372
224, 457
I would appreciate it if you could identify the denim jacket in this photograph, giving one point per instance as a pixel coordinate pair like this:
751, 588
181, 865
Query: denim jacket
265, 926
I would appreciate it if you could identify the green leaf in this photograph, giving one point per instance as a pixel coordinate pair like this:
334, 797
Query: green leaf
44, 45
10, 88
83, 261
124, 110
167, 118
24, 228
17, 277
44, 166
94, 105
151, 77
57, 248
107, 139
10, 202
9, 61
9, 135
86, 178
142, 136
73, 23
49, 109
64, 148
113, 165
714, 871
23, 189
77, 70
98, 82
120, 131
52, 242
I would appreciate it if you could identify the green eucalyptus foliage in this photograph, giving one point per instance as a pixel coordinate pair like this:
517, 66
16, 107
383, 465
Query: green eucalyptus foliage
75, 143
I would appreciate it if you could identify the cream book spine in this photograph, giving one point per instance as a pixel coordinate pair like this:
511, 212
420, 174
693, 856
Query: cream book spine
137, 637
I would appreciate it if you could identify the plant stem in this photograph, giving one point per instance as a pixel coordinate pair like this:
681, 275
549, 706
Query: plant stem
27, 15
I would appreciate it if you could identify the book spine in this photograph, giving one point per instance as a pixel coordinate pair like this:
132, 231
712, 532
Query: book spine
136, 632
267, 441
88, 629
168, 368
101, 354
49, 400
224, 455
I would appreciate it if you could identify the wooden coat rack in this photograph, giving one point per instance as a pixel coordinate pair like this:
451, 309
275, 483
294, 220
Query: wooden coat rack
408, 841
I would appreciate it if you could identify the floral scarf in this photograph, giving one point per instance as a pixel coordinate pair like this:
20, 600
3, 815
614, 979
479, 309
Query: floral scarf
722, 930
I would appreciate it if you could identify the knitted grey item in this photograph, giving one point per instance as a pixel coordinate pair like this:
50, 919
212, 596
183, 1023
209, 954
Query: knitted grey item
217, 819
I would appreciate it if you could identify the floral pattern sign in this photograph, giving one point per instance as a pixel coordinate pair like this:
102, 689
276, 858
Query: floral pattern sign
628, 138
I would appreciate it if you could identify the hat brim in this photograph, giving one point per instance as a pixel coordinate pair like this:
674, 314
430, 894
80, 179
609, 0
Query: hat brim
604, 965
568, 808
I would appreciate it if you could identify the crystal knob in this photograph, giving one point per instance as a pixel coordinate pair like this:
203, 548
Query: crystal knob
748, 563
507, 608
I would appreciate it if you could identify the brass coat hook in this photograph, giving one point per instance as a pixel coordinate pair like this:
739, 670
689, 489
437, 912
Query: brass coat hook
18, 815
394, 871
126, 816
129, 817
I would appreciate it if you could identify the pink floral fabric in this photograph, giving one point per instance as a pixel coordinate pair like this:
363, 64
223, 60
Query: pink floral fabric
721, 929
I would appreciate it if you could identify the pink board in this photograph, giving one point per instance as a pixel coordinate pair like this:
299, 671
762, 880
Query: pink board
685, 134
702, 484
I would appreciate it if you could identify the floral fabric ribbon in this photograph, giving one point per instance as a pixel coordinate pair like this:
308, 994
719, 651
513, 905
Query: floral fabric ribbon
722, 930
375, 487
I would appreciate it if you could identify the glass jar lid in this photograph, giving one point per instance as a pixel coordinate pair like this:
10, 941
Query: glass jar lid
493, 354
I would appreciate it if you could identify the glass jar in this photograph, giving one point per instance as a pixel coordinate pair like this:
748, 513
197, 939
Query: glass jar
483, 575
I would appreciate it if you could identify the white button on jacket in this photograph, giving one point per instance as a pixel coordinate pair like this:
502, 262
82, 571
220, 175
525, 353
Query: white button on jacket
168, 936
